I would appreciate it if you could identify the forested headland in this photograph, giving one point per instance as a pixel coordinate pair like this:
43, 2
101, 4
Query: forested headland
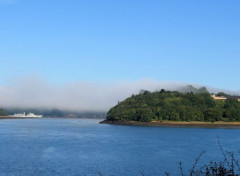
195, 105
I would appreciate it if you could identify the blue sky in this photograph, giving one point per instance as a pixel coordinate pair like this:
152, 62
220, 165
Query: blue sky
62, 41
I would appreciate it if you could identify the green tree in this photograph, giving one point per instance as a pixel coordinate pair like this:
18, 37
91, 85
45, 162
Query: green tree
173, 105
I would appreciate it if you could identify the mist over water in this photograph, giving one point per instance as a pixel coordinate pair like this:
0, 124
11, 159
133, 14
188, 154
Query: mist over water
80, 96
76, 96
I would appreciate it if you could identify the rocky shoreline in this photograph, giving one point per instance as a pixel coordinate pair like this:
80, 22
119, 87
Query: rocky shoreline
176, 124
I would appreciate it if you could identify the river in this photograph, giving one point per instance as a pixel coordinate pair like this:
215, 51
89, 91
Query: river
62, 147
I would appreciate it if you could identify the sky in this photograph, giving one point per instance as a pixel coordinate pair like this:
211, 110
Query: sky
92, 42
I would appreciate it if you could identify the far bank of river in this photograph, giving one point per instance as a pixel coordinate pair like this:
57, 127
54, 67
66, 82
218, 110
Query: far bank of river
219, 124
12, 117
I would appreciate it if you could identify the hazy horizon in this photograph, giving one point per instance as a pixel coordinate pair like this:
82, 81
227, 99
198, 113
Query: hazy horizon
81, 96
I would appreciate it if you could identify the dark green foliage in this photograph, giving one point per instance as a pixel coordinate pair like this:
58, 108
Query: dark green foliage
175, 106
222, 94
3, 112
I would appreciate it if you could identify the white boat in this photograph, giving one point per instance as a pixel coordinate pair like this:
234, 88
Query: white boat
29, 115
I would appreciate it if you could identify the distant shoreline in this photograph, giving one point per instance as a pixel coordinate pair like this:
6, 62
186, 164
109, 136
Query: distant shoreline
11, 117
195, 124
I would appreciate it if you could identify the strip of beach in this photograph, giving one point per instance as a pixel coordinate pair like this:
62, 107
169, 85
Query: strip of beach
6, 117
12, 117
197, 124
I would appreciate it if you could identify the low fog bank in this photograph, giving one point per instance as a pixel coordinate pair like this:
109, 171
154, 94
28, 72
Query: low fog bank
34, 93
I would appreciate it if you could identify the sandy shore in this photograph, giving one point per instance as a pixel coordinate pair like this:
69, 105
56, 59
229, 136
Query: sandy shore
176, 124
11, 117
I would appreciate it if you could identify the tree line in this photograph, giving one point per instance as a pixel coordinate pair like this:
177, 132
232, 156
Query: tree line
175, 106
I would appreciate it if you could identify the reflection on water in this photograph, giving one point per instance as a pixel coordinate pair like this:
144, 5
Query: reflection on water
83, 147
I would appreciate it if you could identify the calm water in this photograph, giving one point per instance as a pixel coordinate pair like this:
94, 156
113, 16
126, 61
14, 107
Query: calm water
83, 147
